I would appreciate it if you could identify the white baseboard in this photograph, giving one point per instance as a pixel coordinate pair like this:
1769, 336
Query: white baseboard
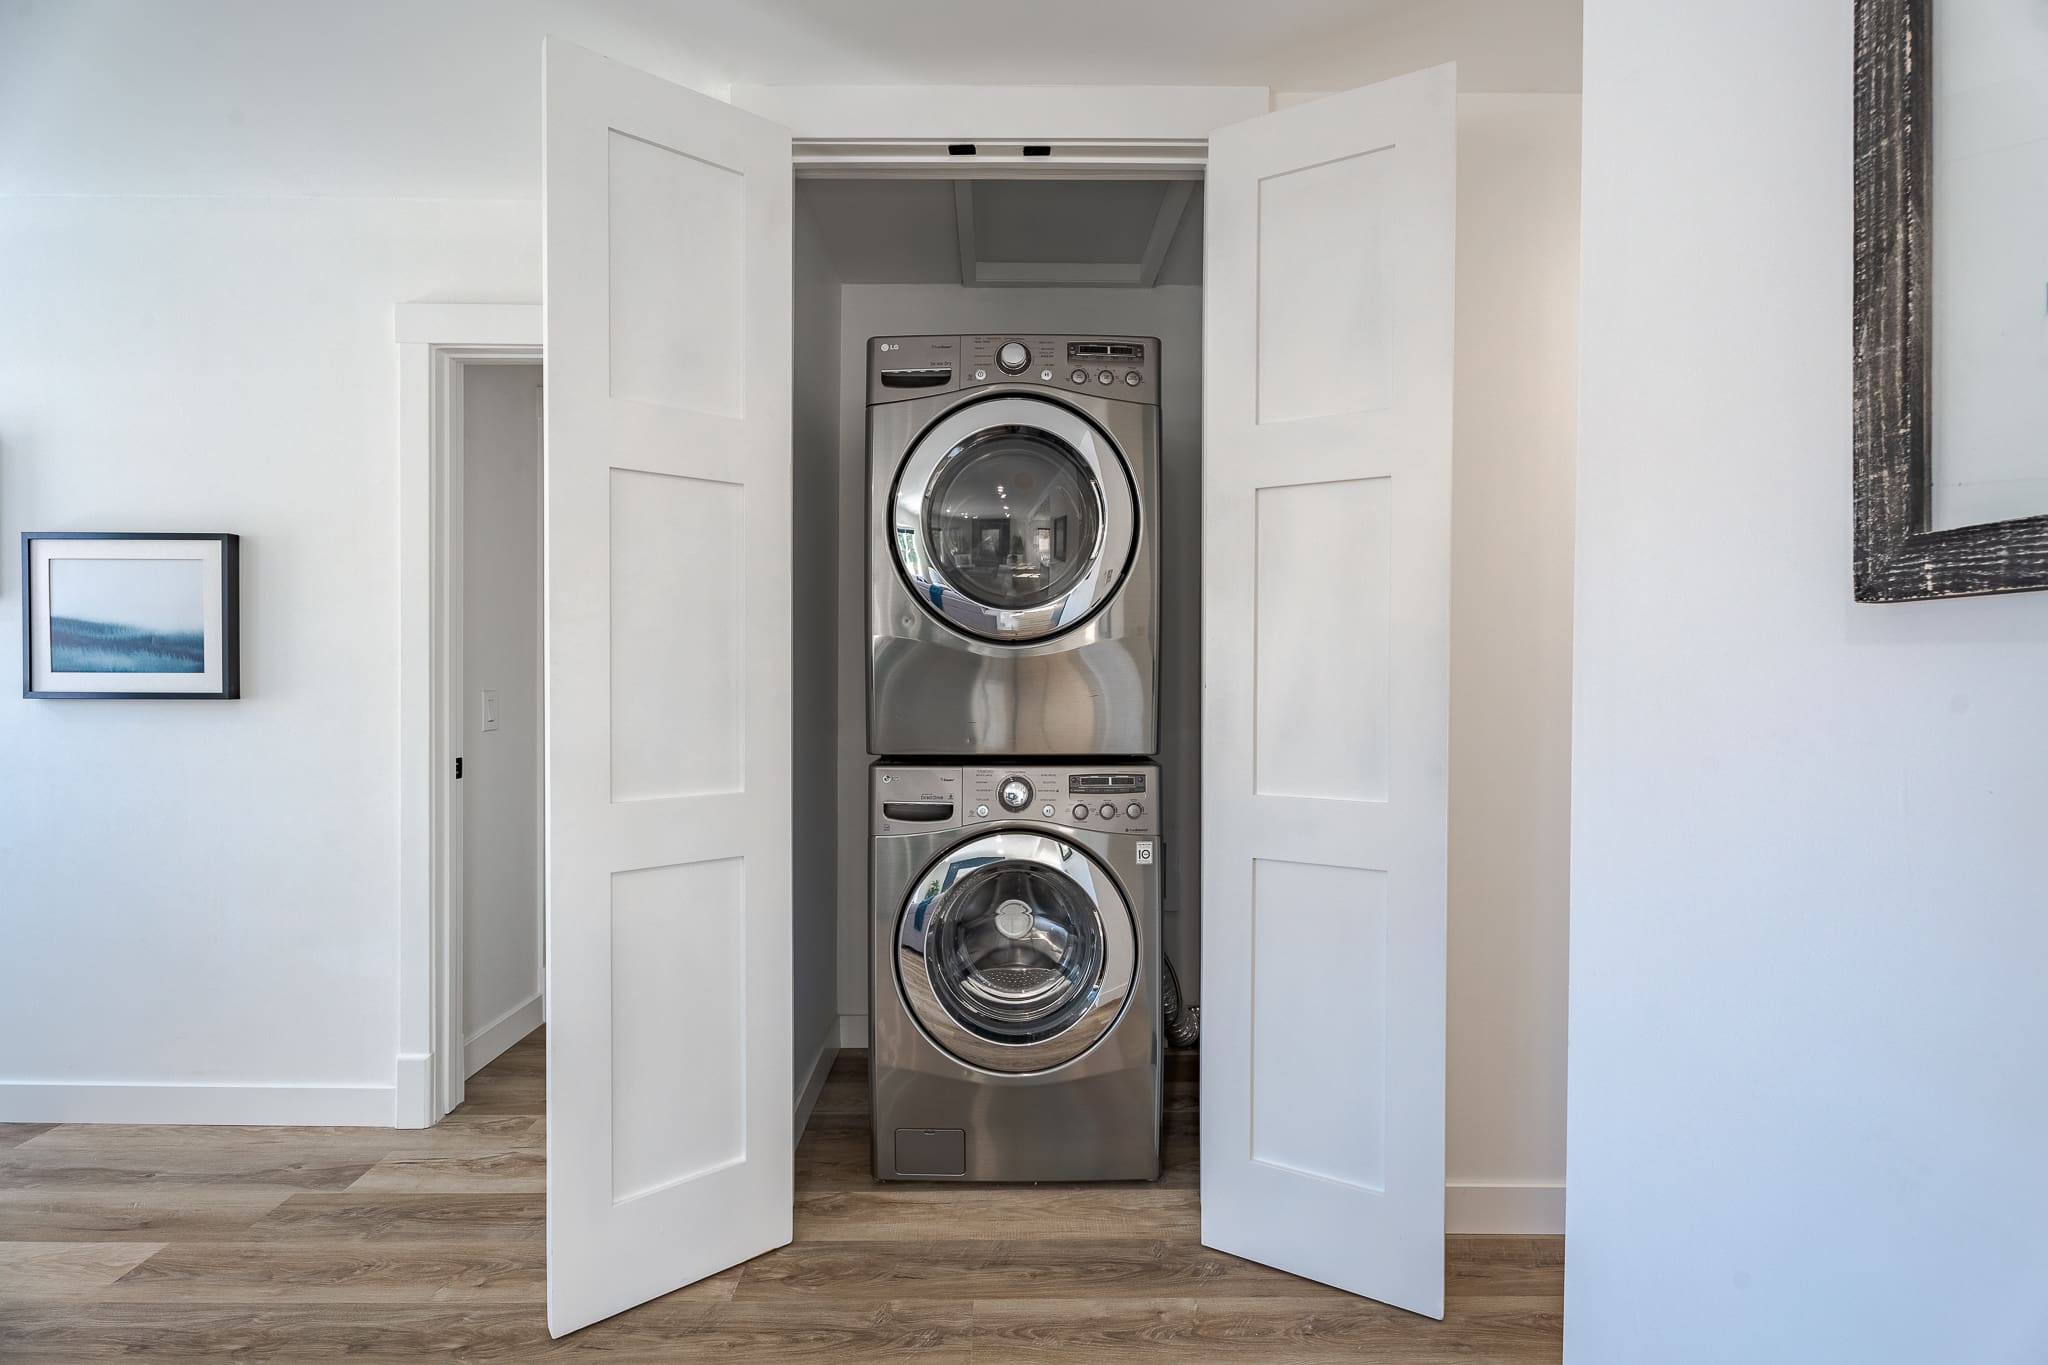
1492, 1206
813, 1079
352, 1106
413, 1097
853, 1031
484, 1046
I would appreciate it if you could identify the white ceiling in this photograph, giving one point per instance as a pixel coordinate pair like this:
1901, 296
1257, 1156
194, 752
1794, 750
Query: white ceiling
441, 98
1284, 44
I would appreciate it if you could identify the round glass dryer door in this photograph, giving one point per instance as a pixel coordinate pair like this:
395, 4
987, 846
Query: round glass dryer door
1016, 952
1013, 519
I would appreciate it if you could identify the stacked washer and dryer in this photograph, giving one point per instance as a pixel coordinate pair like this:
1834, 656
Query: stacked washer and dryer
1015, 895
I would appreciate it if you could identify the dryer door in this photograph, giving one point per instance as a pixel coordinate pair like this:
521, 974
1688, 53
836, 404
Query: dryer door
1013, 519
1016, 952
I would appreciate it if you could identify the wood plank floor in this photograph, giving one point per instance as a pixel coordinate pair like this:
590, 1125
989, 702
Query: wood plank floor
308, 1244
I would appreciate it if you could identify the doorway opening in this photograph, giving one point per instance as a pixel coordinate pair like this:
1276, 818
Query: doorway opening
472, 940
1018, 253
496, 690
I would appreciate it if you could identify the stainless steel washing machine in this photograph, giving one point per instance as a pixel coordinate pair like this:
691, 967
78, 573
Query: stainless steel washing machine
1013, 515
1014, 1033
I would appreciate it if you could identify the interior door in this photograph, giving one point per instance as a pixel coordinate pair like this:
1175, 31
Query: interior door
1326, 531
667, 303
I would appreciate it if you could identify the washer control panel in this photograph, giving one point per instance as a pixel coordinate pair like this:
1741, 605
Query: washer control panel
1111, 367
1117, 798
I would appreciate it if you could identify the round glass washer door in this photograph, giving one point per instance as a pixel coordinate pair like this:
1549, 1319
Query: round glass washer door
1016, 952
1013, 519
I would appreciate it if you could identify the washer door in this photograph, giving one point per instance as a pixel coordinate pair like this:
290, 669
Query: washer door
1013, 519
1016, 952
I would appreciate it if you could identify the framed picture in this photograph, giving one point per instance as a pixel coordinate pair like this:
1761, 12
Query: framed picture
129, 614
1951, 250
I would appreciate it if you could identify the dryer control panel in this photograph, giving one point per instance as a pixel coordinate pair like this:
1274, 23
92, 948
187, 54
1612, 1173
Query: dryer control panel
1125, 368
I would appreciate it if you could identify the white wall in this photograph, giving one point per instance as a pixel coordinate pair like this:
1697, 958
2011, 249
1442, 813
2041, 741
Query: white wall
501, 805
1809, 1035
367, 98
1515, 442
204, 894
814, 650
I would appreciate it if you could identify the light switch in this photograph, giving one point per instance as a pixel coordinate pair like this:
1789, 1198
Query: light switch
487, 710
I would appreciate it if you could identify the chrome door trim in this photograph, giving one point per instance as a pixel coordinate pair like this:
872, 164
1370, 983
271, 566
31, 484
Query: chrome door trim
1111, 554
1112, 988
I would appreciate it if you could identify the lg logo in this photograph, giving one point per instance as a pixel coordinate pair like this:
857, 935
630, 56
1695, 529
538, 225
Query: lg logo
892, 346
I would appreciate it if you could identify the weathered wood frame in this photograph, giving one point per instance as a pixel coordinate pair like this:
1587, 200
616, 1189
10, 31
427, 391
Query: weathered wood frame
1898, 558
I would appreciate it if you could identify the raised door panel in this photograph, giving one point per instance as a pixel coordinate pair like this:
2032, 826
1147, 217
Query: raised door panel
1326, 580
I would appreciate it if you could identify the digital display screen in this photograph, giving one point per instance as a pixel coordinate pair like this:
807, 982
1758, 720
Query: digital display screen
1106, 783
1106, 350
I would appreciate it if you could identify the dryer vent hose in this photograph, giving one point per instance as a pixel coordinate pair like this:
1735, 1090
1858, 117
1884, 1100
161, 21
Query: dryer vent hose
1183, 1021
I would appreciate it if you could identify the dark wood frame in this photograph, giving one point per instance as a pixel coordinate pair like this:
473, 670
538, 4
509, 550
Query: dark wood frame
230, 616
1898, 559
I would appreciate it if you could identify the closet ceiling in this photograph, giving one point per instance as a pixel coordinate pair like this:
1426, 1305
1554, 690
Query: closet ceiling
1015, 231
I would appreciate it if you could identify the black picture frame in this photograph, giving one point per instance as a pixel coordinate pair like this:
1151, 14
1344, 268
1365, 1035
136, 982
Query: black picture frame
1898, 558
230, 616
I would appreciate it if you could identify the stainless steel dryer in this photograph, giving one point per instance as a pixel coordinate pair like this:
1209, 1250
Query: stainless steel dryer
1013, 505
1014, 1033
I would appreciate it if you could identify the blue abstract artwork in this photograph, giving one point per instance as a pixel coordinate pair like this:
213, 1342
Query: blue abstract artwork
127, 616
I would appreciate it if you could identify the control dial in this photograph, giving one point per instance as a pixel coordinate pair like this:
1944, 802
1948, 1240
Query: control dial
1015, 793
1013, 357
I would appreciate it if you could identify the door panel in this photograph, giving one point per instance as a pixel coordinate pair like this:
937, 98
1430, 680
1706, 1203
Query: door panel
1326, 581
667, 302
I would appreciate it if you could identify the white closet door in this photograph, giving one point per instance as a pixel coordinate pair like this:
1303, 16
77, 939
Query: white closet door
1326, 530
667, 256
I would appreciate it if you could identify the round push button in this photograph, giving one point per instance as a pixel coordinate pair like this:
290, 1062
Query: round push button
1134, 810
1080, 812
1079, 376
981, 811
1133, 378
1105, 378
1108, 810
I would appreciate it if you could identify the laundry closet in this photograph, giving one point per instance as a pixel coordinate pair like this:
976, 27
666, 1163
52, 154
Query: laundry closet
908, 256
1280, 283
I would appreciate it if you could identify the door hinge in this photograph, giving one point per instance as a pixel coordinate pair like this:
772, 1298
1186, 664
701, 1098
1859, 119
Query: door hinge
458, 769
